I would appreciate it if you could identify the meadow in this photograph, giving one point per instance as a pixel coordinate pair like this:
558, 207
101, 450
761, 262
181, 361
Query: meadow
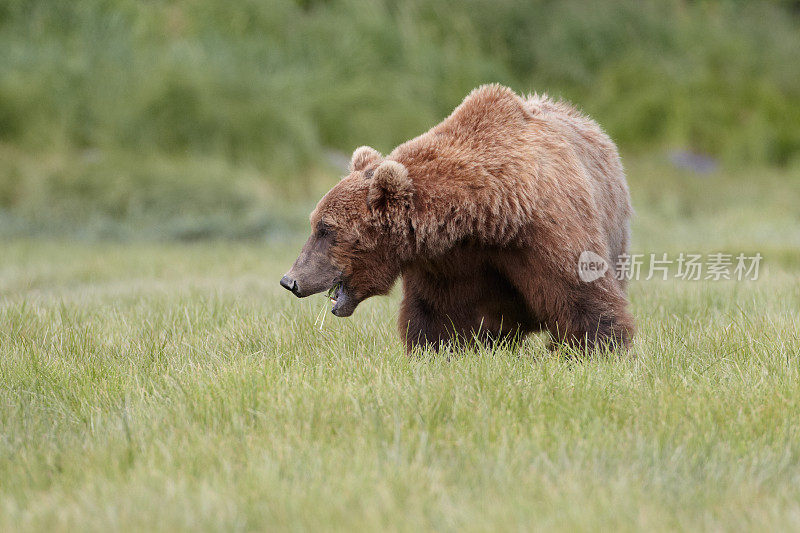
158, 161
177, 386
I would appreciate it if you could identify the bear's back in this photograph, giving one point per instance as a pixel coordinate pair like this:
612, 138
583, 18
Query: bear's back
500, 163
600, 160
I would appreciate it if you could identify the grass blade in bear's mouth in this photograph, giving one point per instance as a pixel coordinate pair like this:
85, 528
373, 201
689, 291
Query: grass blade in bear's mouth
333, 292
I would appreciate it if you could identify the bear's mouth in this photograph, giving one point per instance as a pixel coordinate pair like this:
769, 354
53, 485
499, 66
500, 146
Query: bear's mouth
343, 302
333, 292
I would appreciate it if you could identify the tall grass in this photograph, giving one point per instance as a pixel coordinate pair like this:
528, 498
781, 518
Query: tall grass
273, 82
170, 110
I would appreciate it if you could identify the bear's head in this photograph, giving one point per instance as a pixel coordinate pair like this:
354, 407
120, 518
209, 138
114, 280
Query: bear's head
359, 231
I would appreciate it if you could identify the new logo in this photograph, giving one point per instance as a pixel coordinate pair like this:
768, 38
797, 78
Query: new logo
591, 266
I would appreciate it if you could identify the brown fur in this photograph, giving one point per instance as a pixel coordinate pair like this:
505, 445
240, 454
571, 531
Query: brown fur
485, 216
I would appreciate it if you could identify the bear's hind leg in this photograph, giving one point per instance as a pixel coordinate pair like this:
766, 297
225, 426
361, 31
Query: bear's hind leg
586, 316
594, 316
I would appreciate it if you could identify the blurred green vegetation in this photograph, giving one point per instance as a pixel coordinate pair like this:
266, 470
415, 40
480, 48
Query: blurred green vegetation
188, 118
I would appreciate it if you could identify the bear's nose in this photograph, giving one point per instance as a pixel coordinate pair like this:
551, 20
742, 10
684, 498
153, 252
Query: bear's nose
289, 284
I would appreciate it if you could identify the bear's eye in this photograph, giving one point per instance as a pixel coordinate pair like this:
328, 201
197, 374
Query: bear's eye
368, 174
323, 230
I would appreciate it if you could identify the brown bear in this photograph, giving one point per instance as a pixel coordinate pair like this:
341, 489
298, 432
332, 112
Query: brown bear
485, 218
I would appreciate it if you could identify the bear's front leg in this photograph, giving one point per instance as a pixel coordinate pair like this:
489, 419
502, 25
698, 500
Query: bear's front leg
423, 327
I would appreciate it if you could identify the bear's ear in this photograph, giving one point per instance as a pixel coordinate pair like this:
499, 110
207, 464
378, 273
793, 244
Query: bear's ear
363, 157
390, 186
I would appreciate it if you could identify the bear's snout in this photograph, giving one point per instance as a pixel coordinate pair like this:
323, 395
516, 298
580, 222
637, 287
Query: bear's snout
290, 285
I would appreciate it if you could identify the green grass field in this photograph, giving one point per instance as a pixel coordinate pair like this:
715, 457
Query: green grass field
158, 161
174, 386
